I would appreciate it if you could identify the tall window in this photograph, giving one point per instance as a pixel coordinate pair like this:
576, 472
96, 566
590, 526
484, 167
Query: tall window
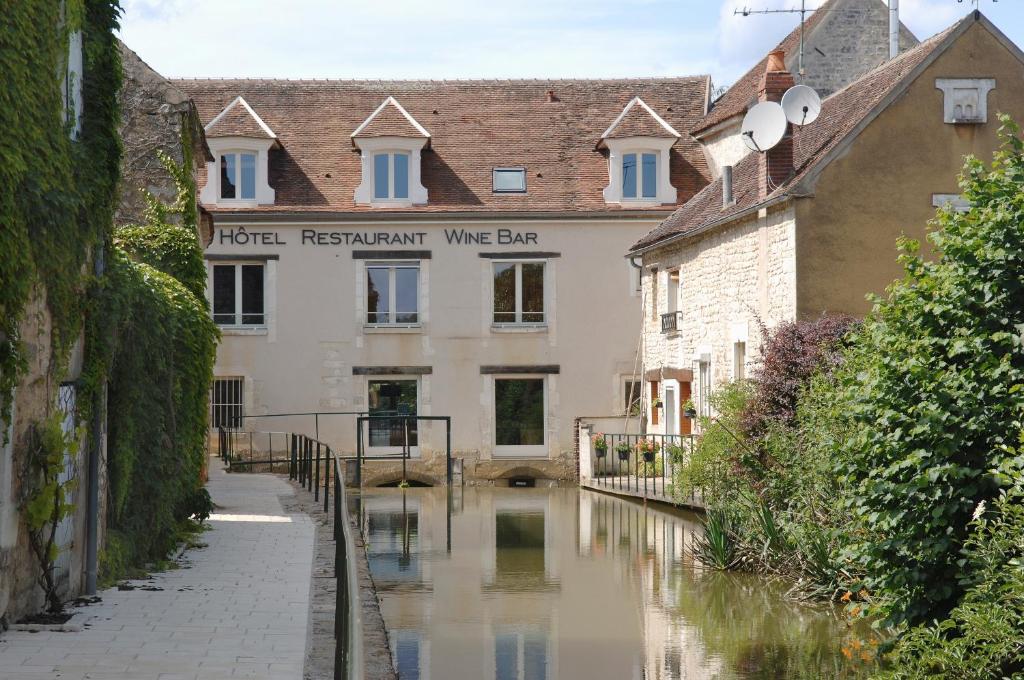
392, 294
226, 403
392, 398
519, 411
704, 385
518, 292
391, 176
238, 295
631, 398
640, 175
739, 359
238, 175
672, 294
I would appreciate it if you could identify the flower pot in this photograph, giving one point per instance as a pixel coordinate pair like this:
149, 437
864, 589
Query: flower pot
648, 456
600, 453
623, 455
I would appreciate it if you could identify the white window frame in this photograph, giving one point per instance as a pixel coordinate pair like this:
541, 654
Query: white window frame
210, 194
524, 450
391, 153
618, 148
640, 153
739, 360
371, 146
238, 264
414, 451
392, 267
238, 153
519, 323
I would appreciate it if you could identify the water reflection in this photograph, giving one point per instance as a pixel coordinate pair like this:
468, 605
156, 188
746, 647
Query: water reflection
540, 584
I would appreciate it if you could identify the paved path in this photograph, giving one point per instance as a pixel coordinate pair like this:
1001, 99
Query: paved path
237, 609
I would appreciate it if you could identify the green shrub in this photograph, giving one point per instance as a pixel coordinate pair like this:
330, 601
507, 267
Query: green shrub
937, 395
983, 638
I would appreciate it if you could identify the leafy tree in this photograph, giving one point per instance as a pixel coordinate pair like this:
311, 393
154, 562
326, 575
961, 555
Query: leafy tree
937, 399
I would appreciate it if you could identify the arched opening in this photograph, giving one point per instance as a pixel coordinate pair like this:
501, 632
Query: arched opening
410, 483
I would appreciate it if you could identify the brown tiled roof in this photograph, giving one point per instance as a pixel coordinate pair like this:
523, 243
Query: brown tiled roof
238, 120
840, 115
474, 126
741, 94
389, 120
638, 120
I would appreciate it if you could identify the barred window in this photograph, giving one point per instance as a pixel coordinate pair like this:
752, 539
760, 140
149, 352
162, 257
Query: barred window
226, 403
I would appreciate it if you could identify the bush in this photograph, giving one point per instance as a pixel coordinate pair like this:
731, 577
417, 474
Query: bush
983, 638
791, 354
937, 396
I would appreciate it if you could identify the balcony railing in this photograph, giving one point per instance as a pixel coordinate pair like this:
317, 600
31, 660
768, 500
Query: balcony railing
671, 322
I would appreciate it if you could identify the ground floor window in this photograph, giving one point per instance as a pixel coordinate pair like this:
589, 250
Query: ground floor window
704, 388
392, 398
739, 359
238, 295
226, 403
519, 412
631, 398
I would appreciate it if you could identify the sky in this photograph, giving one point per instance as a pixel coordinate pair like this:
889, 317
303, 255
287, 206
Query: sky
394, 39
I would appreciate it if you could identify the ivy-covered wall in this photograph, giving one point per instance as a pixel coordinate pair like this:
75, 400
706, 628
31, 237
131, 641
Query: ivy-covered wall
57, 198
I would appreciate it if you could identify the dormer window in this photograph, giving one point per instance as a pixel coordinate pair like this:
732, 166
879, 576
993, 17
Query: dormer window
391, 142
640, 175
391, 175
238, 175
639, 144
241, 142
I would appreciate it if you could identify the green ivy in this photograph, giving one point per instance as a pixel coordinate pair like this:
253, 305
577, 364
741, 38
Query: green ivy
938, 397
59, 195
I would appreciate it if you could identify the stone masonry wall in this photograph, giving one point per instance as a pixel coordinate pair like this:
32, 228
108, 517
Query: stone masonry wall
731, 280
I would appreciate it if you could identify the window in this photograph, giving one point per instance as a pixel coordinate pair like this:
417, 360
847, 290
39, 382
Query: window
640, 173
238, 175
631, 398
519, 412
704, 385
508, 180
520, 656
655, 398
392, 398
226, 403
238, 295
392, 294
739, 359
672, 293
519, 292
391, 176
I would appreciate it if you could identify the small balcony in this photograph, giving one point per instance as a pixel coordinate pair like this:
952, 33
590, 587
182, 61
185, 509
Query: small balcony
671, 322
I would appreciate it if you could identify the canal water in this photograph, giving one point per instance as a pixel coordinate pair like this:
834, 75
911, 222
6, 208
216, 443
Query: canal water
570, 584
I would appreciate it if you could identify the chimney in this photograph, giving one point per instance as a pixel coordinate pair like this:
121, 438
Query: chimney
776, 164
727, 199
894, 28
551, 97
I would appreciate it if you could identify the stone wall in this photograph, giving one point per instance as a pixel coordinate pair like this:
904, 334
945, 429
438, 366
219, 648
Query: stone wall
731, 280
154, 116
849, 42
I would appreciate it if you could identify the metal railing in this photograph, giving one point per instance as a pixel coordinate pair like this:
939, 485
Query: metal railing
670, 321
642, 464
314, 465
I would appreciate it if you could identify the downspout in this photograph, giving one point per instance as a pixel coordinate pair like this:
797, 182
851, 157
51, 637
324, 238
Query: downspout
95, 452
638, 359
894, 28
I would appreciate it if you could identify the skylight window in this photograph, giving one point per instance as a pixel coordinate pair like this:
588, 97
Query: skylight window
508, 180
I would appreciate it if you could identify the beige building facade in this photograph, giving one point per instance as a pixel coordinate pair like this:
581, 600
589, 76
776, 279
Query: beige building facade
452, 249
885, 153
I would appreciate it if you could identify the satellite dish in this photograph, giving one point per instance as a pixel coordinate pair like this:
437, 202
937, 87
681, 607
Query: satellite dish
801, 104
764, 126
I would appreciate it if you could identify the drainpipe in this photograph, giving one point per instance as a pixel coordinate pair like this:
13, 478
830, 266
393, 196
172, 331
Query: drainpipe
894, 28
95, 452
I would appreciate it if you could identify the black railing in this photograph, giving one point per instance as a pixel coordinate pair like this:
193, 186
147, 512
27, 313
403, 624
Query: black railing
402, 433
643, 464
670, 321
315, 466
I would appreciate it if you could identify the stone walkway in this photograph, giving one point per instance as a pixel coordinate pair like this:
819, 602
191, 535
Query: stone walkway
237, 608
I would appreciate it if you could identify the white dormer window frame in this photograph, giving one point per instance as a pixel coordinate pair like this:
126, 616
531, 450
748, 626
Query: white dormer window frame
370, 148
618, 150
224, 146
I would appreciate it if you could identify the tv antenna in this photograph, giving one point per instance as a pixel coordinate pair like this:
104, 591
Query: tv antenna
803, 11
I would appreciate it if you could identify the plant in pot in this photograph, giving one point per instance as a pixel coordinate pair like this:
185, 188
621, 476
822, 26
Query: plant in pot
622, 448
689, 410
647, 448
656, 402
600, 445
